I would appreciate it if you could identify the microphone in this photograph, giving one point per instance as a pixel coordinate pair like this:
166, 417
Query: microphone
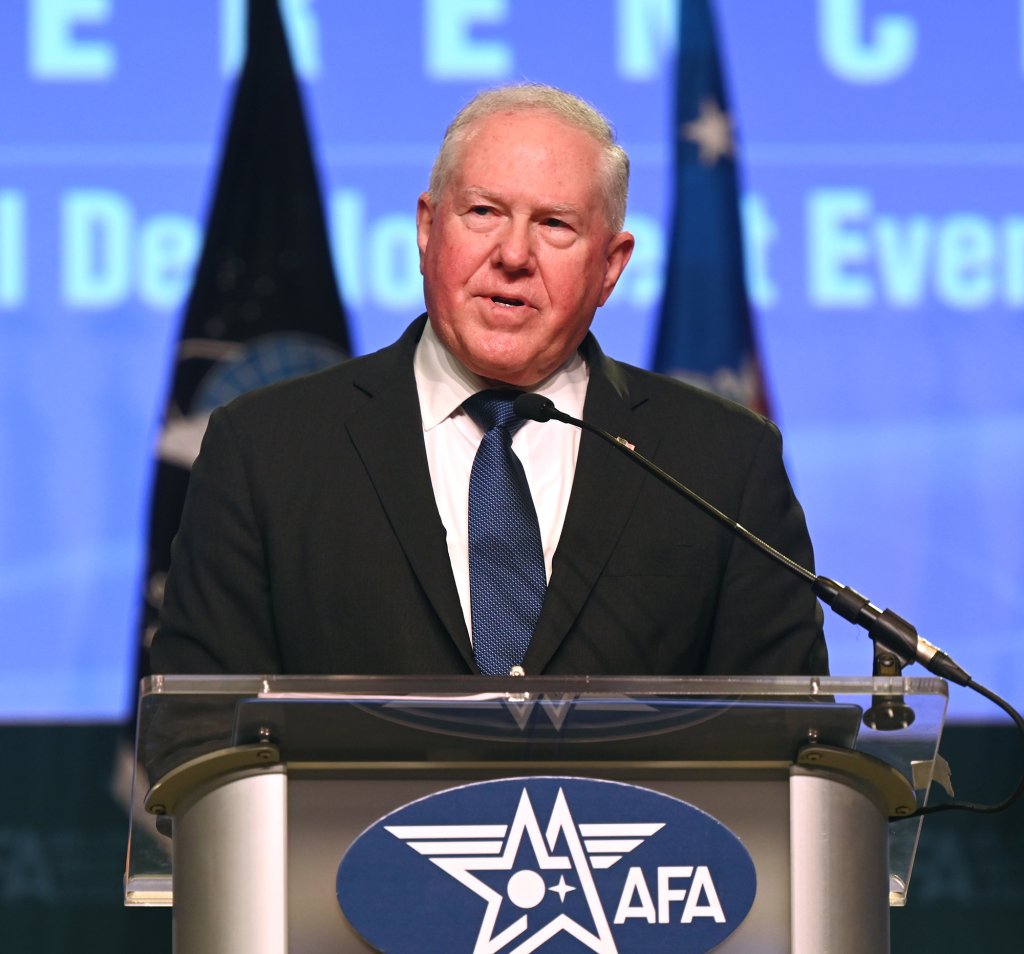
884, 626
536, 407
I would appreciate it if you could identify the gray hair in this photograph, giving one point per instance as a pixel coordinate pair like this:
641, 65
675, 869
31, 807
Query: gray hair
565, 106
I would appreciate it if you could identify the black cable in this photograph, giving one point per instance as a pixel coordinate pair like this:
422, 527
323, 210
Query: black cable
972, 806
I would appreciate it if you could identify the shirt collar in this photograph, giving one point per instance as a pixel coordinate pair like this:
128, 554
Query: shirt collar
443, 382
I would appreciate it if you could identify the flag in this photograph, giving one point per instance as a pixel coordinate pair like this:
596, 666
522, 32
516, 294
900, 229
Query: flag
264, 303
705, 334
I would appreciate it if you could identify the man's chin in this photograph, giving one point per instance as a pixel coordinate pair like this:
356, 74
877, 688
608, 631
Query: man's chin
509, 367
501, 358
513, 376
510, 380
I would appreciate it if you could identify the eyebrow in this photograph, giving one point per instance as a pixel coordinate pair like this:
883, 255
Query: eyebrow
562, 210
482, 193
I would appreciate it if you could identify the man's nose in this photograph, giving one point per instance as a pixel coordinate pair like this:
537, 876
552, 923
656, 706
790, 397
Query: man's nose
514, 249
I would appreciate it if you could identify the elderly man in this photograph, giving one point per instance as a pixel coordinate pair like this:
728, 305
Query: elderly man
391, 515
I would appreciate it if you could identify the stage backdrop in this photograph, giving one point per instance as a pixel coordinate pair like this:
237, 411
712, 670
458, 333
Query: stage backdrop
881, 153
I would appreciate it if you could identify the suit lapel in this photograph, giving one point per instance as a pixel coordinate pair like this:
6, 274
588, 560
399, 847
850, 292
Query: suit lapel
387, 434
388, 437
604, 488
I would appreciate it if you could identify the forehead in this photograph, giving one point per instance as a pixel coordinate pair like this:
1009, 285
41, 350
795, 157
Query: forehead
532, 151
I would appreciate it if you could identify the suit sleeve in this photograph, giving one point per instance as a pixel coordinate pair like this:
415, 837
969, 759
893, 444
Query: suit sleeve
217, 613
768, 620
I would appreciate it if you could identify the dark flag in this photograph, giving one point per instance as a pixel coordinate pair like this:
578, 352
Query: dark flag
264, 304
705, 334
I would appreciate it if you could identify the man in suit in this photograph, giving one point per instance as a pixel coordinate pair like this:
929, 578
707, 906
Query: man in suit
326, 527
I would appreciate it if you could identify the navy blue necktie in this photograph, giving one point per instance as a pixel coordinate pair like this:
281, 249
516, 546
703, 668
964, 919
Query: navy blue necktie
507, 581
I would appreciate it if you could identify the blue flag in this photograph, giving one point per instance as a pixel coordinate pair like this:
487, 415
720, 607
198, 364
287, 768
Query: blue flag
705, 334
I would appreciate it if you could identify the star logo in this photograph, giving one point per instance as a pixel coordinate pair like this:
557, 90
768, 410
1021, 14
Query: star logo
546, 863
711, 131
478, 856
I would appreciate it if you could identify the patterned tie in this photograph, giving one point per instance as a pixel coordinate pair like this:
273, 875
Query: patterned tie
506, 561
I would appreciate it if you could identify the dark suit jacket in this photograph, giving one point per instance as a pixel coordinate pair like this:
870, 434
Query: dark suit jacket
311, 542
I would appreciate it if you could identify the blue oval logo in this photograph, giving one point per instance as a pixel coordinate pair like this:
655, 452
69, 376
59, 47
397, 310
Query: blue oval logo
546, 864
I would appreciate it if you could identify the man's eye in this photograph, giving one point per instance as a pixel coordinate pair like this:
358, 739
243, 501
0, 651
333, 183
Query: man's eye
480, 210
553, 223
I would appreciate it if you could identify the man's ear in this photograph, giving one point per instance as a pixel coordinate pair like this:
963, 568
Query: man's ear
620, 248
424, 219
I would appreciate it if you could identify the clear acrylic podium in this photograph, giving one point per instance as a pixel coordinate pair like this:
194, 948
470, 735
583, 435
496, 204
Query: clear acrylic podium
266, 780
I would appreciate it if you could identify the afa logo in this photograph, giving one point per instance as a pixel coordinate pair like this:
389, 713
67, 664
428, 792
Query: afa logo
546, 864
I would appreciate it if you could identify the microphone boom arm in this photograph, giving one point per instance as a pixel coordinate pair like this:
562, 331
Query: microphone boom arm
884, 626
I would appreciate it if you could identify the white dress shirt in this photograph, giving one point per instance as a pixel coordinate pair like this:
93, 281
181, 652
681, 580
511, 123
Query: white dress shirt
547, 451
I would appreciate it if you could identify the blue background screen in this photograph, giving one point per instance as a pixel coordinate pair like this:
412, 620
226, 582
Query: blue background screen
881, 149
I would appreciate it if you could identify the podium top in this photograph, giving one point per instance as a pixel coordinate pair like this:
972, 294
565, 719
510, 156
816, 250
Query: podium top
327, 723
475, 685
473, 718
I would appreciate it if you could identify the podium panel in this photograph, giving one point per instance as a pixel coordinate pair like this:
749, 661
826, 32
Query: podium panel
318, 925
269, 784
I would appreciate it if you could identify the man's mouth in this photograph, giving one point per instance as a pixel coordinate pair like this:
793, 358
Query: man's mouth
508, 302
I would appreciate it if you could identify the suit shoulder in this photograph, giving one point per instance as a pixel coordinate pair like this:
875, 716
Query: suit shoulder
295, 392
342, 389
703, 409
